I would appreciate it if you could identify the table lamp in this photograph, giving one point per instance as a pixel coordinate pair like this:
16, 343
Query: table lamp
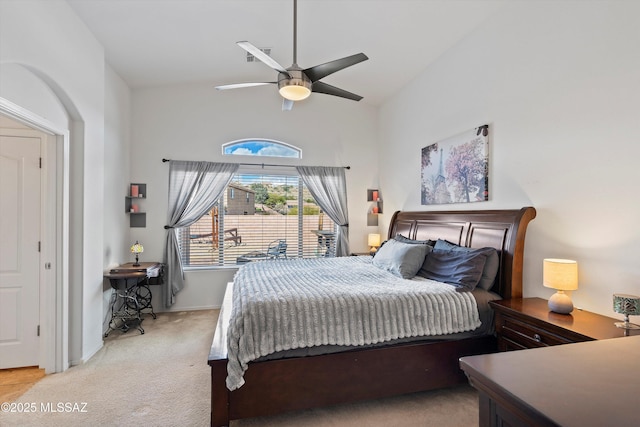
373, 240
561, 275
629, 305
136, 249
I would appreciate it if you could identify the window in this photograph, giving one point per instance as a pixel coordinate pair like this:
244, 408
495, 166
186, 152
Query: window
261, 147
259, 209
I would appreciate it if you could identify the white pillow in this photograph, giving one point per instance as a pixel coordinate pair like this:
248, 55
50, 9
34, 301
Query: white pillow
402, 259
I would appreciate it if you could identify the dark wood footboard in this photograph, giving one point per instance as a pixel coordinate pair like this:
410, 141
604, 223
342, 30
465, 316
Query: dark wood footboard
285, 385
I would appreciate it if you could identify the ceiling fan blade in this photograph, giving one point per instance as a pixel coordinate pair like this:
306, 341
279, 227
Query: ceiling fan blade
262, 56
323, 70
287, 104
241, 85
321, 87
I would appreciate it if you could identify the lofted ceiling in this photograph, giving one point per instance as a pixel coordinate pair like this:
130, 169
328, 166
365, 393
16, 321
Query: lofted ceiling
162, 42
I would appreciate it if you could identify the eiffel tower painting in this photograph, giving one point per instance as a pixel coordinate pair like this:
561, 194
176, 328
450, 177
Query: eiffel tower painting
456, 170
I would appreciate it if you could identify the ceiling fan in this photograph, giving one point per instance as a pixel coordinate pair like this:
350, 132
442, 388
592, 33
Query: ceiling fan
295, 83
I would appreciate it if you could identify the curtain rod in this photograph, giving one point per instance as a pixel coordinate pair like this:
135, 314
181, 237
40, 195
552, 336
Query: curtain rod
260, 164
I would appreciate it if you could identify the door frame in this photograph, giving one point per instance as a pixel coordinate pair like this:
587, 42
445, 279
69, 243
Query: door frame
54, 265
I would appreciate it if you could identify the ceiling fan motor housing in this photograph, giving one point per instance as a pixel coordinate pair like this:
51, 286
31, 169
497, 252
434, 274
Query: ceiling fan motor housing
296, 86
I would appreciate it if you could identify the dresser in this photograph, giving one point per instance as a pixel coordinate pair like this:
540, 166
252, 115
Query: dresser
527, 323
578, 385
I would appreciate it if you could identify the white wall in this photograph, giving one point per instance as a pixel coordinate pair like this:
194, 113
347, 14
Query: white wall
117, 143
48, 40
558, 84
117, 147
190, 122
17, 82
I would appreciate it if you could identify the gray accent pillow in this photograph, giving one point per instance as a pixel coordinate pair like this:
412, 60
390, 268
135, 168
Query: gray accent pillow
402, 239
459, 268
490, 267
402, 259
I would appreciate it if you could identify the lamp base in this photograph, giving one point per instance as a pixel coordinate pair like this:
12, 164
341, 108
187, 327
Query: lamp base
627, 325
560, 303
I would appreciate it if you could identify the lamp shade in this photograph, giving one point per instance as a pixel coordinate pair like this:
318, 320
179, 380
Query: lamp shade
629, 305
137, 248
626, 304
560, 274
373, 240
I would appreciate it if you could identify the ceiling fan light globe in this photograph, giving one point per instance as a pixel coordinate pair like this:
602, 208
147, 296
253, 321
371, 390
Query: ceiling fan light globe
295, 92
295, 86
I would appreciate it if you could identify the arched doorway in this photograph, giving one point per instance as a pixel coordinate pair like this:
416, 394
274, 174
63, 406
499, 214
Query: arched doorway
53, 265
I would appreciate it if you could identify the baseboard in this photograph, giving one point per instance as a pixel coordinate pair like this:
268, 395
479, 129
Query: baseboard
175, 310
86, 358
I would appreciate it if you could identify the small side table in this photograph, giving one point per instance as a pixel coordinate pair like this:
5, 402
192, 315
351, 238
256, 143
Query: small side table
125, 307
155, 276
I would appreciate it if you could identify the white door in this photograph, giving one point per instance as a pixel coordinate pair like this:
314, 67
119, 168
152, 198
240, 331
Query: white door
19, 251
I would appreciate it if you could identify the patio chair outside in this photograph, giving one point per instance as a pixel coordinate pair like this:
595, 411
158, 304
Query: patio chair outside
277, 249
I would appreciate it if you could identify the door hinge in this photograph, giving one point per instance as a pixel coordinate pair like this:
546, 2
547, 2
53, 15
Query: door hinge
40, 162
39, 246
38, 330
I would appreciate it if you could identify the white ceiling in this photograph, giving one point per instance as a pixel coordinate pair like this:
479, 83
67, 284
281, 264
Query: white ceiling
160, 42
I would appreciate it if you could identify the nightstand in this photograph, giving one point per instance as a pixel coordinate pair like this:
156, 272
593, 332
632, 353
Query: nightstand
527, 323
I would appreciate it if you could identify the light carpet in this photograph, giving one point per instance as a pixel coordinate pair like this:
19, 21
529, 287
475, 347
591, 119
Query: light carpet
161, 378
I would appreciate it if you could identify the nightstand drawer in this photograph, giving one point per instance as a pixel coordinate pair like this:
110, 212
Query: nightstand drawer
528, 335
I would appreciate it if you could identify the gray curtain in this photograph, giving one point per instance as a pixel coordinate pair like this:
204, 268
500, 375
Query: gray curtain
194, 187
329, 187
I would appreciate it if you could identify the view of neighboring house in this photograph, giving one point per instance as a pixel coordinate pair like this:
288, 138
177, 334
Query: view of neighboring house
240, 200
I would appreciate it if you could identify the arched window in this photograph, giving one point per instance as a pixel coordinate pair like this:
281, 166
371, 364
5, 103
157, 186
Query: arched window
261, 147
264, 214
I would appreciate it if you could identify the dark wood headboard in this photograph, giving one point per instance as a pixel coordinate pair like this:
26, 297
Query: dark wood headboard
501, 229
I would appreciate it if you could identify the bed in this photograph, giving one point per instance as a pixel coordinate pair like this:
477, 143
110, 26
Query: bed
273, 386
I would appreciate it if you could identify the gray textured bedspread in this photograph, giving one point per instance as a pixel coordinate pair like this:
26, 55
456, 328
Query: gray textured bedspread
287, 304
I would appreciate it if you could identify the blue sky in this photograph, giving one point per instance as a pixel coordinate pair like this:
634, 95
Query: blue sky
261, 148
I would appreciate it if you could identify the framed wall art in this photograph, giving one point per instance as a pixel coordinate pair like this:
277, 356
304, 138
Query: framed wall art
456, 170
